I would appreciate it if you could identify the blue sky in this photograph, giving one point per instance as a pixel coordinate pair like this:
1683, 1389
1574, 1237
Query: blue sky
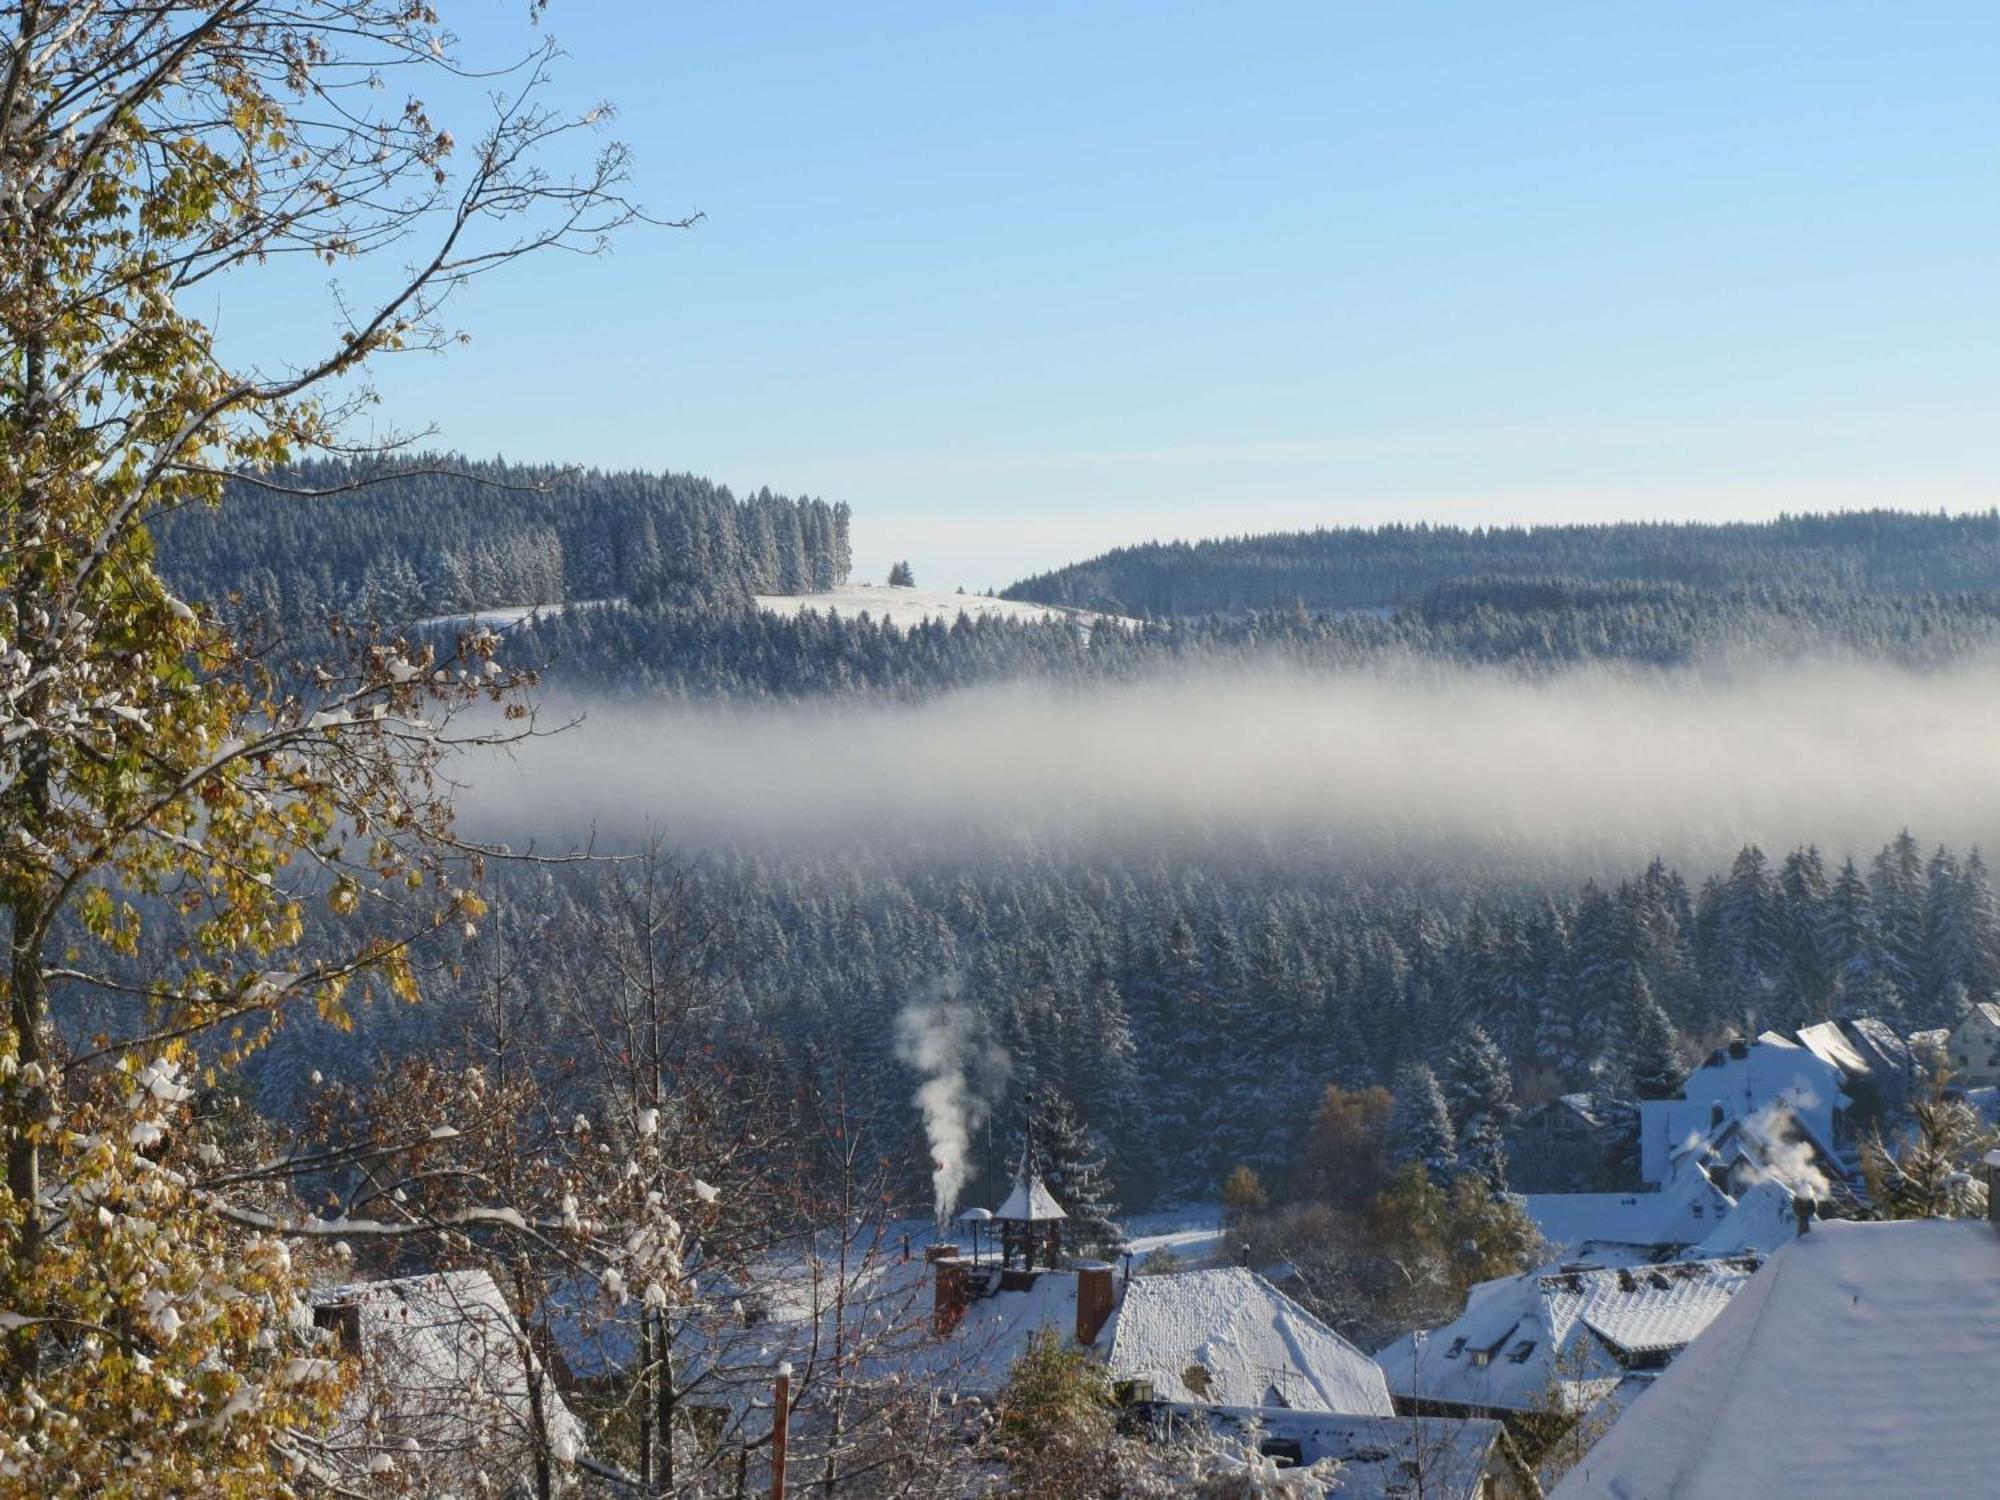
1022, 282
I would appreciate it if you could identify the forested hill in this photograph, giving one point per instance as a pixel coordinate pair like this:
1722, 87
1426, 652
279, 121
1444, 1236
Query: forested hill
1889, 552
679, 652
460, 535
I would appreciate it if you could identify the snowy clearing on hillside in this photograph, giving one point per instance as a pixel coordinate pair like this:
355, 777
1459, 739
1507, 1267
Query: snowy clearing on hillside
514, 614
912, 606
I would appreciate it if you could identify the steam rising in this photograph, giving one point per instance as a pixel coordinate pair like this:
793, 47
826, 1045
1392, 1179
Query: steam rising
1407, 764
941, 1039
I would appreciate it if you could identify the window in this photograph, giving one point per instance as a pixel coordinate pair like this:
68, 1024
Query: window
1457, 1348
1520, 1352
343, 1319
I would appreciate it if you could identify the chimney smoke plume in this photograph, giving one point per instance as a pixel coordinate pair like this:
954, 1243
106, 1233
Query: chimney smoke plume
940, 1038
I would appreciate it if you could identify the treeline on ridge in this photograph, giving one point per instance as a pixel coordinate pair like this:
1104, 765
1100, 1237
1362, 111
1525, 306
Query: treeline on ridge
746, 653
447, 535
1372, 568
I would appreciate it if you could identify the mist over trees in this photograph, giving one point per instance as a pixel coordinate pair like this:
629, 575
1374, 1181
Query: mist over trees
745, 653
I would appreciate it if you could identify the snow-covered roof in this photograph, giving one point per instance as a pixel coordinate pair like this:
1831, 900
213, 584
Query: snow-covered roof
1523, 1341
1762, 1220
1577, 1225
1739, 1082
1982, 1011
1247, 1336
1647, 1309
1826, 1041
1380, 1458
444, 1364
1861, 1361
1030, 1202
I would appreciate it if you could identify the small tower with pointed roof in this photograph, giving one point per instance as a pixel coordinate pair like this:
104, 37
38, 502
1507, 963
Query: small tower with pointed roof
1031, 1220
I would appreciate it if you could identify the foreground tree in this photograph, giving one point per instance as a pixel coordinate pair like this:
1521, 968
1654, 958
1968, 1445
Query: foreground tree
1935, 1170
174, 806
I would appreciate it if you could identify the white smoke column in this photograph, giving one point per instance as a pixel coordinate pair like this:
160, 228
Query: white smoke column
1788, 1162
940, 1039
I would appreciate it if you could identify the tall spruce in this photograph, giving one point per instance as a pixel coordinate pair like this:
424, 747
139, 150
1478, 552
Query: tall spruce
1420, 1130
1070, 1159
1480, 1096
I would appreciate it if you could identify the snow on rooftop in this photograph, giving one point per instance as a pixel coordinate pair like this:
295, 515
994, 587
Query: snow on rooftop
1647, 1309
1227, 1337
1684, 1213
1861, 1361
1826, 1041
1525, 1339
1740, 1085
1030, 1202
444, 1361
1762, 1220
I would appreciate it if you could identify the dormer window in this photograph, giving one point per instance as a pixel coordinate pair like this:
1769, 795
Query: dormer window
1457, 1348
1519, 1353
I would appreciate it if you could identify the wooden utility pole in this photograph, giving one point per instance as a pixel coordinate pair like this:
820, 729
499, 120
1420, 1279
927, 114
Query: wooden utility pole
781, 1421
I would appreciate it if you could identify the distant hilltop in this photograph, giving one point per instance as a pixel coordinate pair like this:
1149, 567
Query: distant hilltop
1361, 568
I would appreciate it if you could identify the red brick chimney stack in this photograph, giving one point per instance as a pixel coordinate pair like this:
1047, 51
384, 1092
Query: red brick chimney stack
1093, 1300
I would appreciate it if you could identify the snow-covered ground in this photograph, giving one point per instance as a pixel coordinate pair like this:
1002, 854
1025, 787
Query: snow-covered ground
1192, 1235
514, 614
901, 606
898, 606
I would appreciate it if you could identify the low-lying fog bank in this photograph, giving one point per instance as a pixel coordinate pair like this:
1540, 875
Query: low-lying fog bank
1412, 764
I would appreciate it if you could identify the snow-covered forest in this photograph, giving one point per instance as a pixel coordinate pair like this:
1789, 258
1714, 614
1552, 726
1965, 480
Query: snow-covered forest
1194, 1011
1361, 568
432, 534
525, 979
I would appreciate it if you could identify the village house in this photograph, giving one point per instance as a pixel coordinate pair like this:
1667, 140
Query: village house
1614, 1229
1878, 1069
1972, 1051
1559, 1342
1567, 1140
1741, 1082
448, 1388
1861, 1361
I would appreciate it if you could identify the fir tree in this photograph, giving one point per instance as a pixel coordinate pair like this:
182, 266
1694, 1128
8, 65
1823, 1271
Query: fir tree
1480, 1097
1071, 1164
901, 577
1420, 1131
1652, 1060
1934, 1173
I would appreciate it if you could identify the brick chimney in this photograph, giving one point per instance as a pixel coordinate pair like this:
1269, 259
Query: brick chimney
1093, 1299
953, 1289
